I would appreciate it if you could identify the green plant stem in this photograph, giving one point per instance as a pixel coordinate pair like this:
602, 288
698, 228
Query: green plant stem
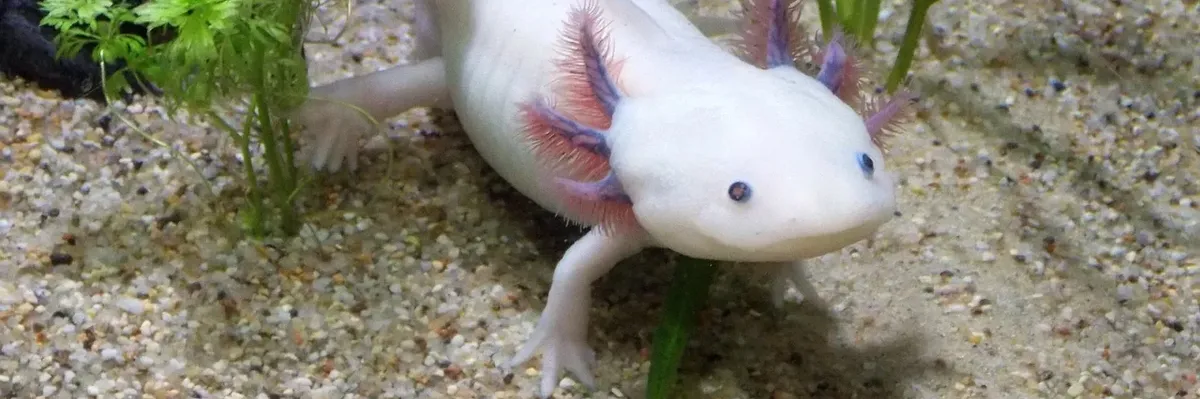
825, 10
289, 151
845, 14
280, 184
868, 18
297, 13
689, 291
912, 35
256, 202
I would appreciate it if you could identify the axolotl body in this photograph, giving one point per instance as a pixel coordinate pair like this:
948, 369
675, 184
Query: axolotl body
624, 116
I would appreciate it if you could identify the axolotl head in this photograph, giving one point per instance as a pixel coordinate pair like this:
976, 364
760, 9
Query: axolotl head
721, 159
768, 166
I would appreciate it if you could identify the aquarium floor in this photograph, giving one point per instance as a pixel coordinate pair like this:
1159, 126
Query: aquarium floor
1048, 243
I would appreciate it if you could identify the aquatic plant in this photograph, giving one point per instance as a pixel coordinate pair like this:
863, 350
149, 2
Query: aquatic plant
218, 56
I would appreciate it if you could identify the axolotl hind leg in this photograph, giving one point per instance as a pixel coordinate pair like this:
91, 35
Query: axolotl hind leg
337, 114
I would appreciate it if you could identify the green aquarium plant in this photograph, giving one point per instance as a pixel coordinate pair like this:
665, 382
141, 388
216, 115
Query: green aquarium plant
688, 292
215, 57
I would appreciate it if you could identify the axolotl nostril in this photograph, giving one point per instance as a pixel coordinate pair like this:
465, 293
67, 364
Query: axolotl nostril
624, 116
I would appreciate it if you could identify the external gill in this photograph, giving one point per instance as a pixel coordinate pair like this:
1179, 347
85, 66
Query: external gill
588, 69
840, 73
577, 135
887, 117
840, 70
774, 39
571, 139
772, 36
607, 189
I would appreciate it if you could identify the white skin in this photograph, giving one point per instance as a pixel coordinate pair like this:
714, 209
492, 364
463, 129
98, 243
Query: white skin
692, 119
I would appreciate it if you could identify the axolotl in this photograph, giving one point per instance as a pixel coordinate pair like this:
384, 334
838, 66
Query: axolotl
625, 116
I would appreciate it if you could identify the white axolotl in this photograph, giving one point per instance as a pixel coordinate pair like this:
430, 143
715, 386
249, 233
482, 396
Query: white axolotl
624, 116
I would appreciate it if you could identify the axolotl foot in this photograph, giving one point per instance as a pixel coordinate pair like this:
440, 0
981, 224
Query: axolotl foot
561, 332
338, 114
332, 130
561, 337
794, 272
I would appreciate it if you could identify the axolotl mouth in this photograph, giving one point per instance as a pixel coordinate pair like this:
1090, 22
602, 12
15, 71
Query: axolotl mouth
782, 241
799, 247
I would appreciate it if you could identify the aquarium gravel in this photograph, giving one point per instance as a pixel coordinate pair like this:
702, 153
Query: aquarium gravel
1048, 243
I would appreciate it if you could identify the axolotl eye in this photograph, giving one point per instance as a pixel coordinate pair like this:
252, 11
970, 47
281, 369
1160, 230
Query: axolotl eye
866, 163
739, 191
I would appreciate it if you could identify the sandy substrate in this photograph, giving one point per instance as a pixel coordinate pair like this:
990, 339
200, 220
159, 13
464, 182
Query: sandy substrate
1049, 243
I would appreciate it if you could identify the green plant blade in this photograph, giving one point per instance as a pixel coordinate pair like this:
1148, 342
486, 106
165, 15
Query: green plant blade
825, 10
868, 18
688, 292
845, 12
912, 34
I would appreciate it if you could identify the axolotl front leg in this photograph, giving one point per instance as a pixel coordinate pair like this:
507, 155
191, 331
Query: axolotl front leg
794, 273
562, 330
577, 142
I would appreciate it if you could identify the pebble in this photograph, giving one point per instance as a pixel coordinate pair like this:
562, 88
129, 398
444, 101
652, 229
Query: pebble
131, 305
60, 258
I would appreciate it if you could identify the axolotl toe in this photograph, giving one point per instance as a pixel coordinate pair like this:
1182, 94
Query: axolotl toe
623, 116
